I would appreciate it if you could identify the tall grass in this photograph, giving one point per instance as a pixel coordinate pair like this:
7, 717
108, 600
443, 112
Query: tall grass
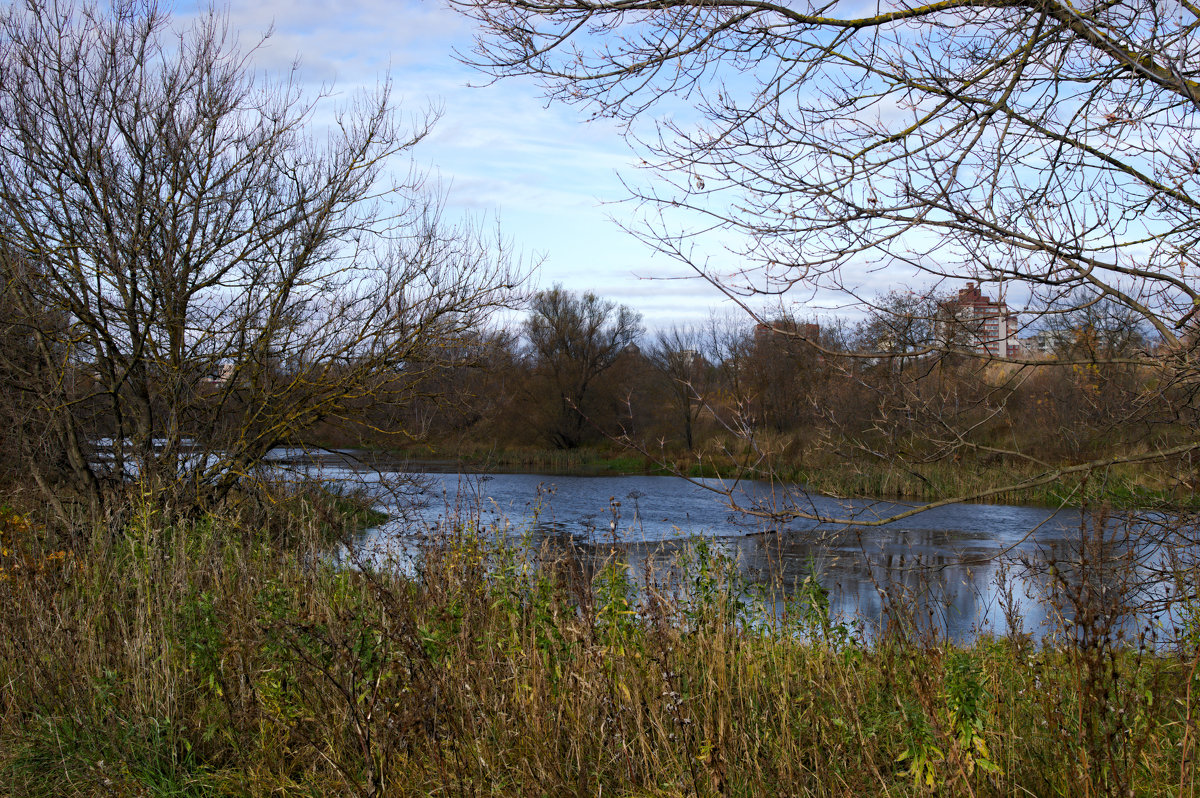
212, 658
1126, 487
1122, 488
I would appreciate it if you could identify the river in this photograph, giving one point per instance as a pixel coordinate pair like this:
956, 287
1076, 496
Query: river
960, 569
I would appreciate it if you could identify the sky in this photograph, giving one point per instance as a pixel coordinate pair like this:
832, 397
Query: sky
548, 176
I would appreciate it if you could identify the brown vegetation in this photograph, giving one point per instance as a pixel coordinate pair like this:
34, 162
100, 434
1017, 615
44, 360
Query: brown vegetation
798, 401
207, 659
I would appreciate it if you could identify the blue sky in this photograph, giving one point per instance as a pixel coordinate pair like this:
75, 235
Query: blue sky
551, 178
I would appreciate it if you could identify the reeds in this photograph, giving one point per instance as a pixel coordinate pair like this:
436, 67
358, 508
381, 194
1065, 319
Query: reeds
209, 658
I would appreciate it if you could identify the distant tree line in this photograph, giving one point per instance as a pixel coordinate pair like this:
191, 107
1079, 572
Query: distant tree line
582, 371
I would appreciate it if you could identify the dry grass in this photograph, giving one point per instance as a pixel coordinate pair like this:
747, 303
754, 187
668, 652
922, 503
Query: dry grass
211, 659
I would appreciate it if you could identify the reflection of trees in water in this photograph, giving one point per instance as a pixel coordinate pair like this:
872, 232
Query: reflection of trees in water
918, 578
928, 581
943, 581
1108, 577
1121, 579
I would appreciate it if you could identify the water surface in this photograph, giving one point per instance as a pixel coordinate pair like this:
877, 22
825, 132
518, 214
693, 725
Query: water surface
958, 567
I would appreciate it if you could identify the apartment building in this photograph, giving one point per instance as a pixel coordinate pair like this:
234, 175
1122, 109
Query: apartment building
973, 321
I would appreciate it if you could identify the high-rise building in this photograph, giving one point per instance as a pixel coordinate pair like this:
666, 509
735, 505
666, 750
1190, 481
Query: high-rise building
973, 321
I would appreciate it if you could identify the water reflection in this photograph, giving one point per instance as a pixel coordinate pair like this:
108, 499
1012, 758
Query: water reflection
953, 571
952, 584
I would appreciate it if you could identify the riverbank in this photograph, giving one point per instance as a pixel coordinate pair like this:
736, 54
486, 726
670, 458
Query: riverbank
1121, 486
220, 659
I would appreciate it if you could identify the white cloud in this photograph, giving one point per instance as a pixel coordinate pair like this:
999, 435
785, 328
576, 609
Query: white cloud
550, 178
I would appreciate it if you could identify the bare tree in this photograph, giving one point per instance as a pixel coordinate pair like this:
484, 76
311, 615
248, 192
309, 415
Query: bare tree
1092, 325
575, 340
225, 280
24, 375
676, 355
901, 324
1031, 146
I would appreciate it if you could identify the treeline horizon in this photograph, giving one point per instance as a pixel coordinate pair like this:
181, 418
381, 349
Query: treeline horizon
581, 371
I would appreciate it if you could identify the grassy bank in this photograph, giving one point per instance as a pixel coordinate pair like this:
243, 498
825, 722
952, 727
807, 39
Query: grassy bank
216, 659
1148, 485
1121, 487
584, 461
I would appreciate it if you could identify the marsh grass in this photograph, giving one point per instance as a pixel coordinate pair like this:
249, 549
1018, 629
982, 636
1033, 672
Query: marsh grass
862, 477
210, 658
1117, 487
